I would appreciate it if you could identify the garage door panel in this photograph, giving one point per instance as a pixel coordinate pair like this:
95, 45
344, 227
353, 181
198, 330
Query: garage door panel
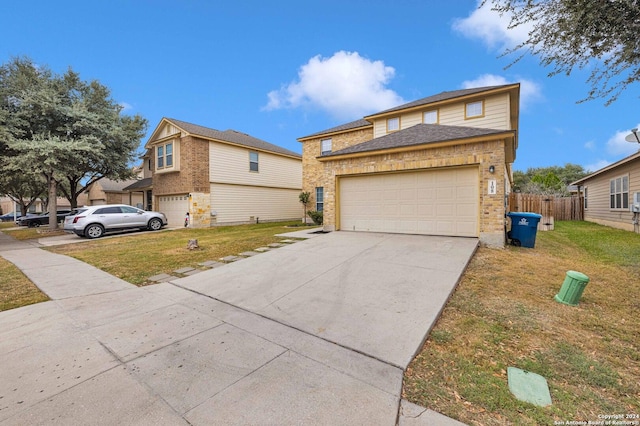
175, 207
436, 202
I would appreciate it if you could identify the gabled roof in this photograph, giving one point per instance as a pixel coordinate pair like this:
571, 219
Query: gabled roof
341, 128
420, 134
625, 160
445, 96
109, 185
229, 136
139, 184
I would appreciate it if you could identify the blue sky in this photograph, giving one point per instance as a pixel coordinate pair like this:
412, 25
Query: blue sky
279, 70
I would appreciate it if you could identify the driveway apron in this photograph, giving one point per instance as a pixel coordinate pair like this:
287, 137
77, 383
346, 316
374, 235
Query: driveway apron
317, 332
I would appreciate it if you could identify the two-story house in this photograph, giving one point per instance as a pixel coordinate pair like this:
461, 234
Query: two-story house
440, 165
218, 177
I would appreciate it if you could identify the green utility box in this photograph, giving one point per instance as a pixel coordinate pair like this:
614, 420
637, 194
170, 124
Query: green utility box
572, 288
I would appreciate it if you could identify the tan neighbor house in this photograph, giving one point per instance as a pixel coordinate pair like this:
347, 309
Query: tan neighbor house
107, 191
440, 165
609, 194
219, 177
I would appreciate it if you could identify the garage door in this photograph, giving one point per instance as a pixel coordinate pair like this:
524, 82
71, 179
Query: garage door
434, 202
175, 207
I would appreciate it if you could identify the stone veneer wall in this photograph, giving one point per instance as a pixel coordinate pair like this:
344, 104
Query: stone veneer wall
200, 210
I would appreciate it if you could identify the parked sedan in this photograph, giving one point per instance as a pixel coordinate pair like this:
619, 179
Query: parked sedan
33, 221
9, 217
94, 221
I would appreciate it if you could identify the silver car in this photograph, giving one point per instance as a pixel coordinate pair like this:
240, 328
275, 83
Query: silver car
94, 221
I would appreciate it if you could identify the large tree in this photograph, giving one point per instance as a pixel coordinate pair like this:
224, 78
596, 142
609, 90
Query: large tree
601, 35
68, 130
552, 180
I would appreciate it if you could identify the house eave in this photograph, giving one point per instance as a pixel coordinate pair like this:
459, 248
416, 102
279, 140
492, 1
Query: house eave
506, 136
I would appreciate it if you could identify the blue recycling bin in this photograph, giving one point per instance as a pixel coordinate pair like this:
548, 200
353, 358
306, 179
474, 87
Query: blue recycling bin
523, 228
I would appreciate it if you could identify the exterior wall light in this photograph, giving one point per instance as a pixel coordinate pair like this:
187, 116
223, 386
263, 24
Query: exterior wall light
492, 169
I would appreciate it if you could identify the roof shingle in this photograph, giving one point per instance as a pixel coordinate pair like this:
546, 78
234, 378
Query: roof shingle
232, 136
347, 126
419, 134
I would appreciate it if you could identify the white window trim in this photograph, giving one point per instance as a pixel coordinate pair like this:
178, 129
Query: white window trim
257, 162
317, 201
624, 195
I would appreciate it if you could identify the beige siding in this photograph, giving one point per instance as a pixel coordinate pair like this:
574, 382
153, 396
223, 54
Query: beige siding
496, 116
598, 209
237, 203
230, 164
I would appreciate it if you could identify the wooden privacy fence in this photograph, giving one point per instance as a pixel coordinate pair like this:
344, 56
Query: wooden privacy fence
551, 208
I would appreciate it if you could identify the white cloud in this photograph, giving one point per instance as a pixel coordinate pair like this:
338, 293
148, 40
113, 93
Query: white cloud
530, 91
491, 28
590, 145
346, 85
596, 166
616, 145
125, 106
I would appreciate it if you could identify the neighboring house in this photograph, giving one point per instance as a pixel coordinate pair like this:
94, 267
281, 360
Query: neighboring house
219, 177
437, 166
38, 206
107, 191
609, 194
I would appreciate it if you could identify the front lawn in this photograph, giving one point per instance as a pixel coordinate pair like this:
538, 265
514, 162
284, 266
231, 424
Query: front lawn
136, 257
503, 314
15, 289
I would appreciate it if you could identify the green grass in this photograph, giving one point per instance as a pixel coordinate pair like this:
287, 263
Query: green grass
15, 289
503, 314
137, 257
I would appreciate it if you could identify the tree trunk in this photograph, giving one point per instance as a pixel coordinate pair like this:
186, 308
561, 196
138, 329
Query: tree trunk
53, 202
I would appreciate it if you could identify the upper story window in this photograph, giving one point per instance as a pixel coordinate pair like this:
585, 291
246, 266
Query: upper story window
619, 193
474, 109
326, 146
253, 161
164, 156
430, 117
393, 124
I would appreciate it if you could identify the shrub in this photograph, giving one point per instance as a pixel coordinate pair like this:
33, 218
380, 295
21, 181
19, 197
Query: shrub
315, 216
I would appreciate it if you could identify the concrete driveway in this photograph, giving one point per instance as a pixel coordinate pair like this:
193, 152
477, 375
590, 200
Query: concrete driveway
378, 294
316, 332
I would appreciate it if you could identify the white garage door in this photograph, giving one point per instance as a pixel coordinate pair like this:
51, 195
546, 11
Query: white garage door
434, 202
175, 207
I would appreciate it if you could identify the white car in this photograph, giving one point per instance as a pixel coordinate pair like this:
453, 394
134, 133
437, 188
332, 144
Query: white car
94, 221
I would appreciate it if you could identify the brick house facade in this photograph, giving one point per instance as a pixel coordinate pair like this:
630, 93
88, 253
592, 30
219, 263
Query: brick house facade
481, 149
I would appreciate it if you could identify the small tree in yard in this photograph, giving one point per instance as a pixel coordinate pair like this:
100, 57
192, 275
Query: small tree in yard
304, 198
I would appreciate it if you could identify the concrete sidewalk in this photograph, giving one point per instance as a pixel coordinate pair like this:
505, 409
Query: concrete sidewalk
106, 352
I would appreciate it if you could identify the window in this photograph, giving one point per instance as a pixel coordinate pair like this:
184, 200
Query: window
619, 193
253, 161
326, 146
586, 192
393, 124
319, 198
108, 210
164, 155
430, 117
474, 109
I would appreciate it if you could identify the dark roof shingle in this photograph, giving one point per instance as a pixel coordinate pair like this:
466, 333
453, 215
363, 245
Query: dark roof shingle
441, 97
347, 126
232, 136
419, 134
140, 184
